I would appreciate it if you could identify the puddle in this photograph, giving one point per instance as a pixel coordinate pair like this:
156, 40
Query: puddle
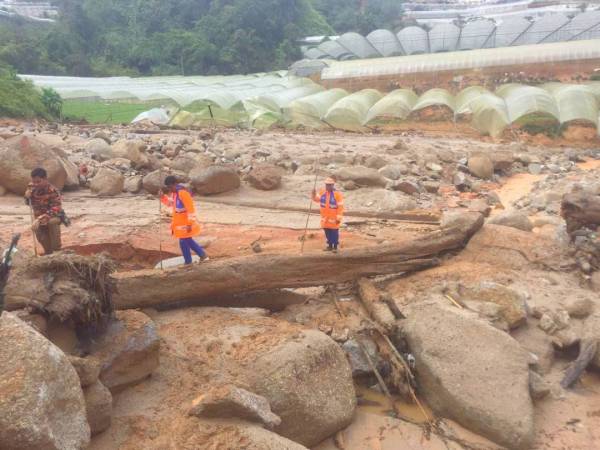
374, 402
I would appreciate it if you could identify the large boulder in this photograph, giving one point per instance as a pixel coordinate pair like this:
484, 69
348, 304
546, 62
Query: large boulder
393, 171
515, 219
512, 306
308, 383
98, 405
107, 183
72, 180
41, 401
265, 178
184, 164
133, 150
481, 166
471, 372
99, 149
362, 176
155, 181
128, 351
133, 184
20, 155
214, 179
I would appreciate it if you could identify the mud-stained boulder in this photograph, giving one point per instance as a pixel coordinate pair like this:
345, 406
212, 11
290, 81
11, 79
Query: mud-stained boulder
481, 166
99, 149
230, 401
193, 433
308, 383
20, 155
512, 306
154, 181
471, 372
133, 150
133, 184
514, 219
265, 178
72, 180
41, 401
107, 183
88, 369
393, 171
214, 180
183, 163
98, 405
591, 333
128, 351
362, 176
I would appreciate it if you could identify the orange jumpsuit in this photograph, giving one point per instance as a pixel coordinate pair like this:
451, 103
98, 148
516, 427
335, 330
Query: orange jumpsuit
332, 208
184, 213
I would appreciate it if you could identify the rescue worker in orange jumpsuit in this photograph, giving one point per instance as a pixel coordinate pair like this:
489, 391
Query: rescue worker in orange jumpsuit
184, 224
332, 212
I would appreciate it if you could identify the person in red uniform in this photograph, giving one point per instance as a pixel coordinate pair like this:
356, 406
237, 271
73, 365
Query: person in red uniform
184, 224
332, 212
46, 204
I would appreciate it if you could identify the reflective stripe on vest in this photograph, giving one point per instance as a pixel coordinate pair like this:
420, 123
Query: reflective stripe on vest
179, 207
332, 201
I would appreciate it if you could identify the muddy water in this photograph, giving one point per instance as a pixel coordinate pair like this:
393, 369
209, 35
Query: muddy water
374, 402
516, 187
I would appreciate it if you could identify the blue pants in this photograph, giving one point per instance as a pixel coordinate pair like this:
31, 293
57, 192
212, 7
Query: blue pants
187, 245
332, 236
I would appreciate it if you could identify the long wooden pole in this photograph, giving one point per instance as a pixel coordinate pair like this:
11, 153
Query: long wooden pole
32, 221
317, 165
160, 252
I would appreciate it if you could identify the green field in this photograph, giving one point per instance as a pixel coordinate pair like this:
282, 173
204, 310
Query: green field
104, 112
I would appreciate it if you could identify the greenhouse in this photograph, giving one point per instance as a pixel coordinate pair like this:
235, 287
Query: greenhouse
446, 37
277, 99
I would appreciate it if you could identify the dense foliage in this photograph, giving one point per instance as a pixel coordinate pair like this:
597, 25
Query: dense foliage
361, 16
20, 99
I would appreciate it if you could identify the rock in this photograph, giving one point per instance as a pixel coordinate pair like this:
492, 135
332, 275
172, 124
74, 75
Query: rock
72, 171
579, 307
538, 343
183, 164
120, 164
481, 206
481, 166
350, 185
358, 361
308, 383
233, 402
128, 351
434, 167
98, 405
511, 302
461, 182
376, 162
107, 183
408, 187
102, 135
265, 178
431, 186
2, 191
373, 431
154, 181
502, 160
133, 150
591, 332
393, 171
20, 155
471, 372
133, 184
88, 369
214, 180
535, 169
204, 434
41, 402
362, 176
514, 219
538, 387
99, 150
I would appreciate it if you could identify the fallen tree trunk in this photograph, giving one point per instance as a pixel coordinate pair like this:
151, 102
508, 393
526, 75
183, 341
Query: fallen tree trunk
234, 276
580, 209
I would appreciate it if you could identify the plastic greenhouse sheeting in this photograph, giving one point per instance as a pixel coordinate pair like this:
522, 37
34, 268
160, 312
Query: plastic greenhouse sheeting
358, 45
395, 106
489, 114
542, 28
574, 102
385, 42
465, 97
414, 40
476, 34
578, 26
309, 111
335, 50
350, 112
158, 116
525, 104
510, 30
444, 38
435, 97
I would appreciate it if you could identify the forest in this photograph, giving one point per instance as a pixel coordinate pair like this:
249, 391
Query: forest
180, 37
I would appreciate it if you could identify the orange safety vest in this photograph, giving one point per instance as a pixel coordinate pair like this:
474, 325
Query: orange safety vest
184, 214
332, 208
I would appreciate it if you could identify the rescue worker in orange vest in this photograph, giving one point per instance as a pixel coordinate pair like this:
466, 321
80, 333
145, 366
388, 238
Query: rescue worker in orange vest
332, 212
184, 224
